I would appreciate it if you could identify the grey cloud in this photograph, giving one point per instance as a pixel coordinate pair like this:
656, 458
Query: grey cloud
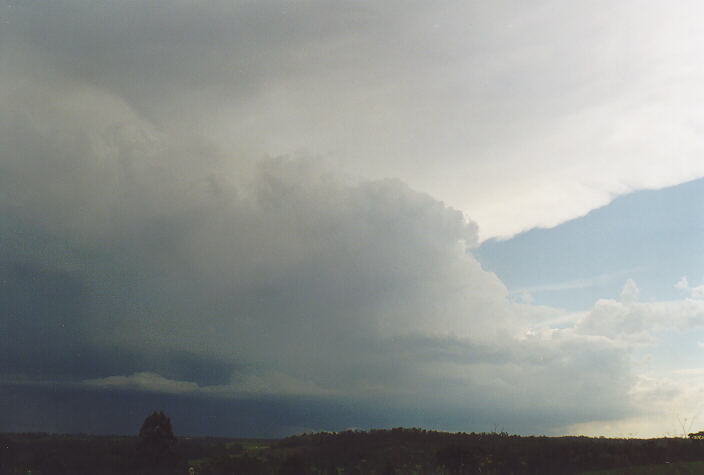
46, 333
363, 289
502, 110
136, 208
153, 54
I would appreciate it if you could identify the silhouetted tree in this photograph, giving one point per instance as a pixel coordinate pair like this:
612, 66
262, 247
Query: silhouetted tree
155, 447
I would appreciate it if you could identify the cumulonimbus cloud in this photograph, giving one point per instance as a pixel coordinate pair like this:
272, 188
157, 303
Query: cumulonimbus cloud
362, 290
137, 212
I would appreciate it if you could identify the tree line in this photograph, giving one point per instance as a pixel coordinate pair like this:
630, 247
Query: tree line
156, 450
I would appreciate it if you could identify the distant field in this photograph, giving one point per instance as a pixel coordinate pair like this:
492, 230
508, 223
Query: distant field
254, 444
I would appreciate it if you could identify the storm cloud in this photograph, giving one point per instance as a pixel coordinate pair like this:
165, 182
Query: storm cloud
293, 281
259, 205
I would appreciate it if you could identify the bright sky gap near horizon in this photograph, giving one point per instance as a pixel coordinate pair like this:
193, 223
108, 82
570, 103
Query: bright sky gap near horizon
273, 217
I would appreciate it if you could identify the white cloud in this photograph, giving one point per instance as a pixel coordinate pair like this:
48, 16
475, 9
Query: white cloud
640, 322
682, 284
695, 292
241, 385
525, 297
630, 291
698, 292
145, 381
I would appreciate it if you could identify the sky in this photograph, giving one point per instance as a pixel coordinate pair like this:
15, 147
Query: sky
269, 217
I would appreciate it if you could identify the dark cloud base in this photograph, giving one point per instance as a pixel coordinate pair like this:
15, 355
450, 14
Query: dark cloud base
97, 411
43, 335
66, 409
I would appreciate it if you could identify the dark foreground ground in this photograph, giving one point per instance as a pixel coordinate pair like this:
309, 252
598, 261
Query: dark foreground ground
396, 451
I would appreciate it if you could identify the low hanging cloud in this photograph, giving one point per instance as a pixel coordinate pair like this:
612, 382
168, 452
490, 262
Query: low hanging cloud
144, 382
